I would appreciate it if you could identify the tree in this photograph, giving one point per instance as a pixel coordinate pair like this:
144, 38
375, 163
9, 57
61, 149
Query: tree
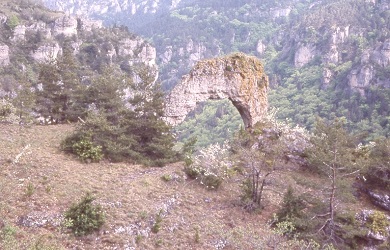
48, 102
257, 152
60, 95
72, 91
125, 119
377, 173
24, 100
333, 154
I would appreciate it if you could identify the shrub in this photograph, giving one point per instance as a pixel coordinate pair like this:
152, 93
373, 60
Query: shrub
210, 167
5, 108
81, 145
84, 217
12, 22
157, 224
291, 207
378, 223
86, 151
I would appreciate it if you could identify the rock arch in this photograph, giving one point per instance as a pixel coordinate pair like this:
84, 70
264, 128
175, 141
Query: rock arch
237, 77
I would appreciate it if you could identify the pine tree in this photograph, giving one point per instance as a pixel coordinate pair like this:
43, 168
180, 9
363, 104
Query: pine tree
332, 155
125, 119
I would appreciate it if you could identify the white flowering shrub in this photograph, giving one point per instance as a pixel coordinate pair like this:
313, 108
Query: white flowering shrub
8, 112
210, 166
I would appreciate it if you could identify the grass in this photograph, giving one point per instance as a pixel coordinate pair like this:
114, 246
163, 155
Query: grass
41, 185
38, 188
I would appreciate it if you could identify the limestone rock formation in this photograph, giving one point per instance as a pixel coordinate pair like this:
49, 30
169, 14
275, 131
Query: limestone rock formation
46, 53
237, 77
66, 25
4, 55
304, 54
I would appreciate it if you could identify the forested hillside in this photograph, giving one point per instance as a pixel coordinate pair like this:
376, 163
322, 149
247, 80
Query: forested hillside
324, 58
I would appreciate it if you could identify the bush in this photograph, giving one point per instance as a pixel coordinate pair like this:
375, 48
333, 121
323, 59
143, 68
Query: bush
210, 167
84, 217
292, 206
86, 151
81, 145
378, 223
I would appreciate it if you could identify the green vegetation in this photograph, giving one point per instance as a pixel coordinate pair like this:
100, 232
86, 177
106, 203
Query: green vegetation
257, 153
12, 22
84, 217
378, 223
130, 130
157, 223
291, 210
86, 151
211, 122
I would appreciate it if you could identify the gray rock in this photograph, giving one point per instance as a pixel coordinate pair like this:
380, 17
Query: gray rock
380, 200
237, 77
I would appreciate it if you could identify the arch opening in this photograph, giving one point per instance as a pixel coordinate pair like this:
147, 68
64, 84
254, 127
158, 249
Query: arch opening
212, 121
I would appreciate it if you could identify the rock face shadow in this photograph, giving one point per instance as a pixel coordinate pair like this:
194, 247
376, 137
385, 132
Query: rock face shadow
237, 77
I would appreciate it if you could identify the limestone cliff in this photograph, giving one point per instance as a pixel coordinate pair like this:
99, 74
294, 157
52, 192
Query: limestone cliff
40, 36
237, 77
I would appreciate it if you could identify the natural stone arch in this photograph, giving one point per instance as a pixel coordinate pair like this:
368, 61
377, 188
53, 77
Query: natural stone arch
237, 77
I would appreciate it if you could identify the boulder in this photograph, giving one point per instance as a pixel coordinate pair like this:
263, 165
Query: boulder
380, 200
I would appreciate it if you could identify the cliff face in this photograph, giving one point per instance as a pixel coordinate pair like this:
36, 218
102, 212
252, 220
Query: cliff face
109, 9
38, 36
236, 77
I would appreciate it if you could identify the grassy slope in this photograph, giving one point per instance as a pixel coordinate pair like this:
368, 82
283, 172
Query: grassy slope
131, 197
36, 190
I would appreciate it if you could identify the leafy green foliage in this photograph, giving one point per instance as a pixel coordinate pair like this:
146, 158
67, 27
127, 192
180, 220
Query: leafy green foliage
84, 217
378, 222
86, 151
211, 122
332, 146
12, 22
377, 173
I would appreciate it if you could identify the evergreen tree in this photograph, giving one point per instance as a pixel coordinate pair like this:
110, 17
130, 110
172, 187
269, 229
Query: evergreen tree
49, 89
125, 120
333, 154
59, 94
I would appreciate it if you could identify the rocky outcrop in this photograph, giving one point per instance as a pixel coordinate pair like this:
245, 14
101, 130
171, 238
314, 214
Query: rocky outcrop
66, 25
3, 18
19, 33
237, 77
303, 55
361, 79
46, 53
4, 55
280, 12
380, 200
88, 24
382, 55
